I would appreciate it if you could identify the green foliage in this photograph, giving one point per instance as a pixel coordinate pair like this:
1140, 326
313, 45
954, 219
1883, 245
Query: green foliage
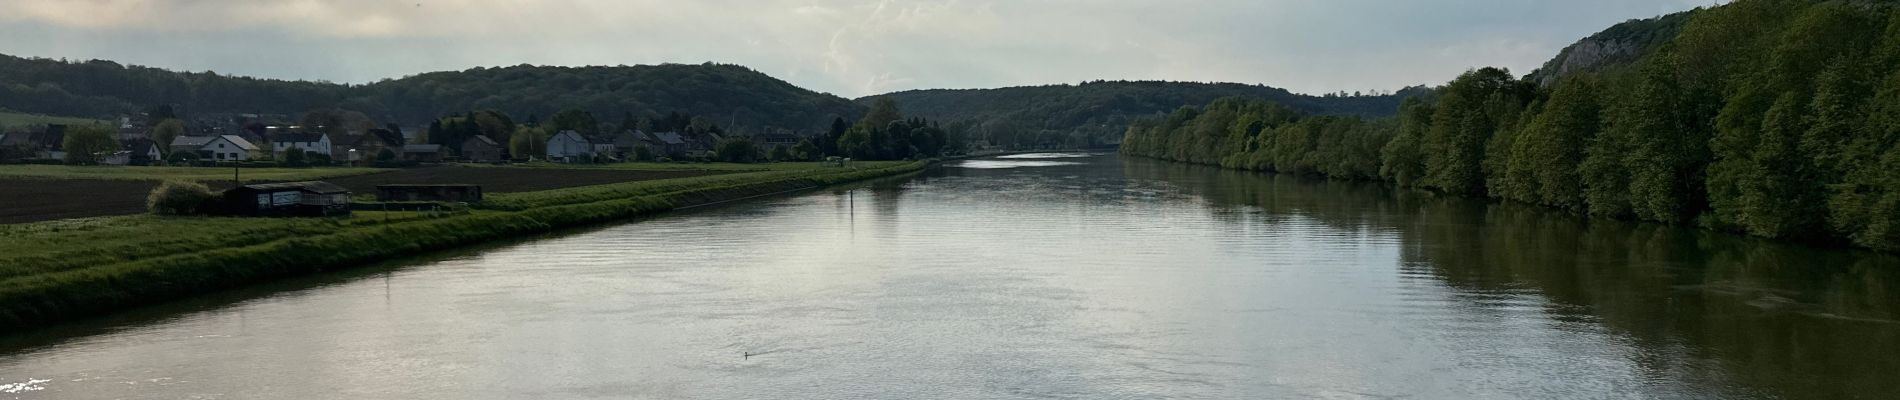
1099, 112
293, 158
780, 153
386, 155
805, 150
165, 131
1776, 118
181, 198
575, 120
642, 153
528, 142
88, 144
737, 150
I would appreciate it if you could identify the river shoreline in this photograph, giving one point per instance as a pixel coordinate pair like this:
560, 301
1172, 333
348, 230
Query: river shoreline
31, 302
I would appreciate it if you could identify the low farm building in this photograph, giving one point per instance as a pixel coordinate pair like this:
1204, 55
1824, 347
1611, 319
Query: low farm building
448, 193
310, 199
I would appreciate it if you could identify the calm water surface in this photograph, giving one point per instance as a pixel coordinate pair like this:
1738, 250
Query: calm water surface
1043, 276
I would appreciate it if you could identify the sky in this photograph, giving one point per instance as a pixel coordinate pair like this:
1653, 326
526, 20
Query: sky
850, 48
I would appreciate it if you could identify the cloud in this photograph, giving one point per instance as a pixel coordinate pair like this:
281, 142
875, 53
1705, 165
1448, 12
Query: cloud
848, 47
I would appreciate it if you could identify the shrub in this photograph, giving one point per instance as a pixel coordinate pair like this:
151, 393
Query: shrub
181, 198
293, 158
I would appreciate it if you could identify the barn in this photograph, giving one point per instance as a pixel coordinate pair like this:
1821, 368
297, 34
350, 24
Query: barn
303, 199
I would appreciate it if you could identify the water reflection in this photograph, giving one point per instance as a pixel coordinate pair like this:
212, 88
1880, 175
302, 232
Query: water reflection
1095, 278
1701, 308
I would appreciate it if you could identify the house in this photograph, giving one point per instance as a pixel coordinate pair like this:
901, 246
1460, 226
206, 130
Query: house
669, 144
313, 199
606, 150
308, 142
423, 152
777, 139
631, 138
230, 148
449, 193
569, 146
141, 151
480, 148
189, 144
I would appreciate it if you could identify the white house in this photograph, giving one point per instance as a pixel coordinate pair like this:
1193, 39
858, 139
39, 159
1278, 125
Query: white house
569, 146
230, 148
283, 142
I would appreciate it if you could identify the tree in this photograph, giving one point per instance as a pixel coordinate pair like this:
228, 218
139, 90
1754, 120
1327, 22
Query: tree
294, 158
642, 153
164, 132
806, 150
737, 150
528, 142
386, 155
180, 198
883, 113
781, 153
88, 144
575, 120
337, 122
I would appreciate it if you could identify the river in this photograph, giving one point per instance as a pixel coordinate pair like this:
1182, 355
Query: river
1033, 276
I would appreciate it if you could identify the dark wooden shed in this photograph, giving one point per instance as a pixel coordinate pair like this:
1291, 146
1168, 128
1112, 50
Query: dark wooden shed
309, 199
449, 193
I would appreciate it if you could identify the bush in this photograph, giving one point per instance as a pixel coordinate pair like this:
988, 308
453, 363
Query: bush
293, 158
181, 198
315, 158
182, 158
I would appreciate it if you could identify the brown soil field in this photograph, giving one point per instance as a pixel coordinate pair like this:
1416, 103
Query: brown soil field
32, 200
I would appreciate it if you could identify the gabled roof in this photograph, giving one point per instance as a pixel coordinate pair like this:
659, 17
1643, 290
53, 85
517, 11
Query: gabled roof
388, 137
669, 138
569, 135
139, 146
239, 142
483, 139
422, 148
318, 187
296, 137
192, 141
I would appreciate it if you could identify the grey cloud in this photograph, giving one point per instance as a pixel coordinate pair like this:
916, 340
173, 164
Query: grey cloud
845, 47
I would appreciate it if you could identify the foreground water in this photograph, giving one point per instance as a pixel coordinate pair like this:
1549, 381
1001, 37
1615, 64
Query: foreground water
1040, 276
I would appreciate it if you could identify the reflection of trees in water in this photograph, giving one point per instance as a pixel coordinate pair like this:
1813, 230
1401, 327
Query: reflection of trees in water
1795, 321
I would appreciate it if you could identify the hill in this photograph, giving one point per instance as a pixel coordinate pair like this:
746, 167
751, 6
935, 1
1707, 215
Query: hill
1100, 111
1774, 118
1621, 44
731, 95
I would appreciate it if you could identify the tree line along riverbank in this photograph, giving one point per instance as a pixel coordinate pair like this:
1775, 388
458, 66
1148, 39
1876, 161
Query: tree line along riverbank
1773, 118
62, 270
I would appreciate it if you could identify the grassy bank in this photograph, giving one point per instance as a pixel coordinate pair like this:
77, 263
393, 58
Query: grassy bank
46, 276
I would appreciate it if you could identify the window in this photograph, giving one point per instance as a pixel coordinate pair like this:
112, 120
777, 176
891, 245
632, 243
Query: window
220, 156
220, 145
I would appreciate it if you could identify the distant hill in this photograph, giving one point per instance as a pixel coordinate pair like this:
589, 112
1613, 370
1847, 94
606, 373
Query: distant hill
1100, 111
729, 94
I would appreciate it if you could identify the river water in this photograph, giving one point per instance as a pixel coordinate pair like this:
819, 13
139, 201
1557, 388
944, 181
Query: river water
1035, 276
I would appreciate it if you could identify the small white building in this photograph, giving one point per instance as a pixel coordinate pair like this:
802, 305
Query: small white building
230, 148
569, 146
309, 142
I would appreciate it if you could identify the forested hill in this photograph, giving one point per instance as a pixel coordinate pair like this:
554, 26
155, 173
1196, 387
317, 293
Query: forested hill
1101, 110
1619, 45
1776, 118
730, 94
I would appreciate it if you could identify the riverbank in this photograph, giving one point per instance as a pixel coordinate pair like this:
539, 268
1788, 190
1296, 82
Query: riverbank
64, 270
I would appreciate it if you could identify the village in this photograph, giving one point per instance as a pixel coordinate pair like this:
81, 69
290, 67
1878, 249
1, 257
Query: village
226, 139
265, 165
